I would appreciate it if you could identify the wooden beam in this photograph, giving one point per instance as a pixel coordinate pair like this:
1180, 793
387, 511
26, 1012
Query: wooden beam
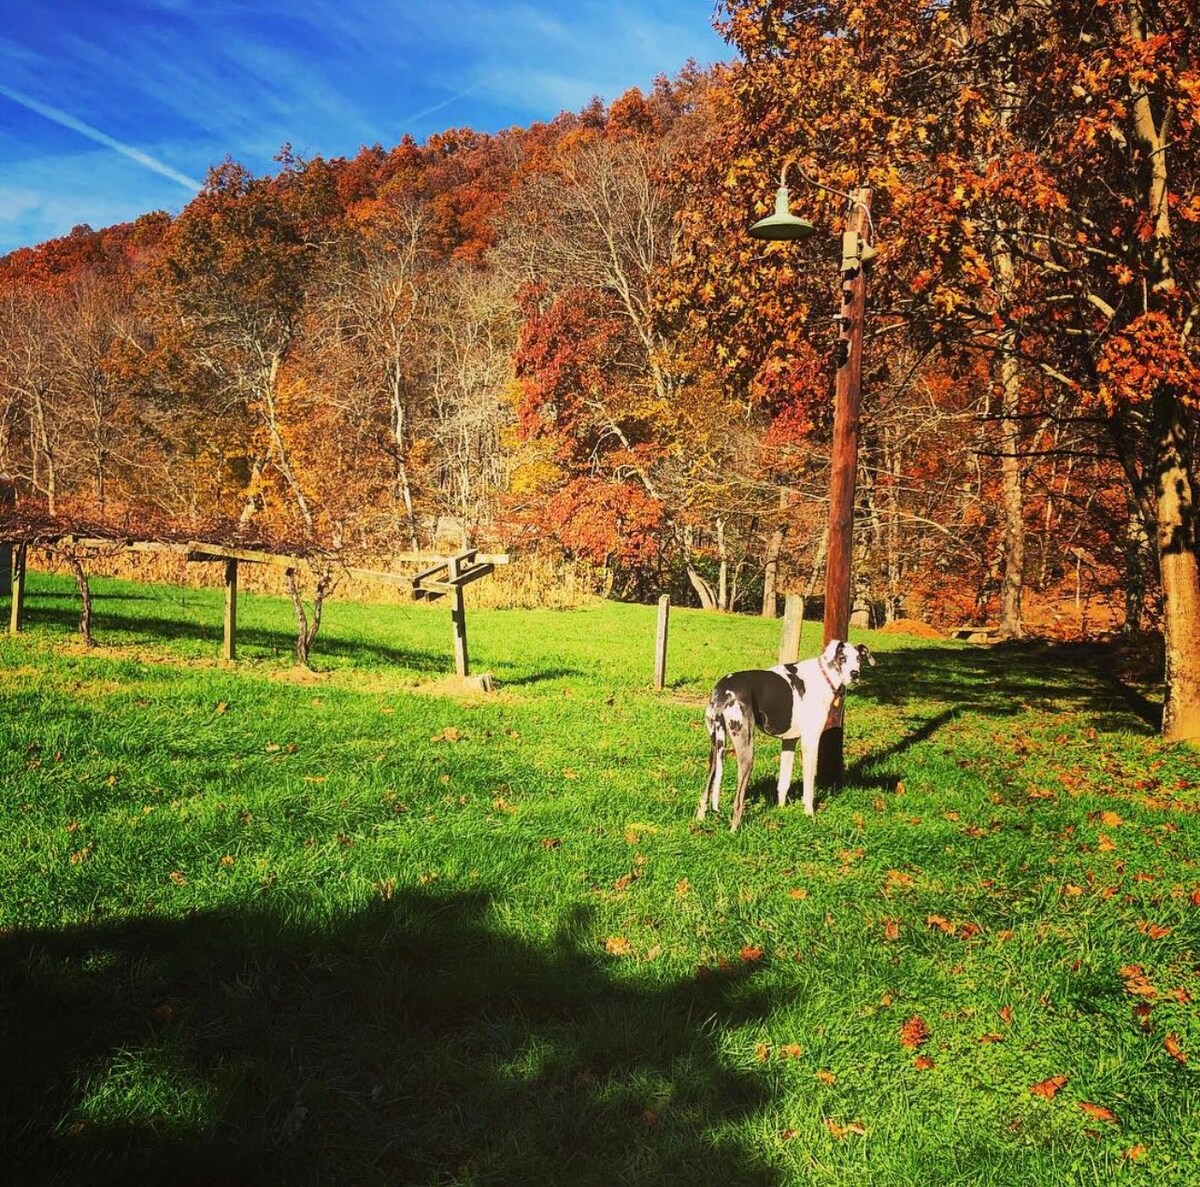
231, 585
197, 551
18, 587
458, 616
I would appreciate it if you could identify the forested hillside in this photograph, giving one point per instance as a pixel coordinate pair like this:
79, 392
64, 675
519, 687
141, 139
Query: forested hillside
560, 339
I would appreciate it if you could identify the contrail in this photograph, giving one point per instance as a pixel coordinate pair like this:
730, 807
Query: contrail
69, 121
420, 115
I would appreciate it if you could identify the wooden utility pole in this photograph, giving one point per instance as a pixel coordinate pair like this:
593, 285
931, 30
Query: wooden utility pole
844, 459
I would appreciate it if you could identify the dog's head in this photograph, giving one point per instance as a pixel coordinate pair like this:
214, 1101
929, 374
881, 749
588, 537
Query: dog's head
844, 660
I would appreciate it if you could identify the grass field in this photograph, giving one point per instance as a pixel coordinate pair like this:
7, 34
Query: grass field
348, 928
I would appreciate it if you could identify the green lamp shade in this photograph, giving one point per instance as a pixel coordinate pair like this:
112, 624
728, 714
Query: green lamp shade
783, 224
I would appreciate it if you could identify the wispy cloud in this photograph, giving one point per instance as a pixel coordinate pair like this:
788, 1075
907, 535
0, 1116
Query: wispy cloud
66, 120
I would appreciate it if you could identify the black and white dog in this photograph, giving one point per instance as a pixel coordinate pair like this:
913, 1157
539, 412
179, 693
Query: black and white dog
790, 702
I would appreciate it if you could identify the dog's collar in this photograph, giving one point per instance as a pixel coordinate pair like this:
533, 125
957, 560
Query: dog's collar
824, 672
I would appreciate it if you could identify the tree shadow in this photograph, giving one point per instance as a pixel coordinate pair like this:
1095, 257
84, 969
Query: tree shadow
414, 1041
150, 627
1006, 679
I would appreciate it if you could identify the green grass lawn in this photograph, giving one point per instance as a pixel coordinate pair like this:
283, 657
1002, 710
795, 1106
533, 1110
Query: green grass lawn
348, 928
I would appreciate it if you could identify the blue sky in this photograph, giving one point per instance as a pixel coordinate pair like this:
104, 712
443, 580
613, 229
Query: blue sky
110, 108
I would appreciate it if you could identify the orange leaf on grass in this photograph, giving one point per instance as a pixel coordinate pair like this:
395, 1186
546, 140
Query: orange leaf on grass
1135, 1152
791, 1051
750, 953
1048, 1087
991, 1037
1006, 1015
1156, 931
941, 923
826, 1077
798, 892
891, 929
922, 1063
842, 1131
1171, 1043
617, 946
1098, 1112
914, 1032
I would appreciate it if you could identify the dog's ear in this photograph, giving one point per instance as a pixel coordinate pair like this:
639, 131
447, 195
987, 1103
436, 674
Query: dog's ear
864, 652
837, 659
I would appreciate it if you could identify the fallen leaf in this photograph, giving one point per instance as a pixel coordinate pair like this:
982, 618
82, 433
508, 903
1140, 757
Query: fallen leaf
791, 1051
761, 1052
798, 892
914, 1032
922, 1063
1110, 819
826, 1077
227, 860
787, 1134
1006, 1015
550, 843
842, 1131
1098, 1112
1171, 1043
220, 707
750, 953
682, 887
1048, 1087
617, 946
897, 880
1194, 898
1135, 1152
891, 929
1072, 891
178, 877
941, 923
1156, 931
449, 734
1107, 844
991, 1037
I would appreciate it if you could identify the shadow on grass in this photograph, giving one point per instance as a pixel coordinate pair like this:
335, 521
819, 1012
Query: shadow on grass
412, 1042
1007, 679
260, 640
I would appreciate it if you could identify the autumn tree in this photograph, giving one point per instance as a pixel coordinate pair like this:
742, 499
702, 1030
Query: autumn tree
1100, 298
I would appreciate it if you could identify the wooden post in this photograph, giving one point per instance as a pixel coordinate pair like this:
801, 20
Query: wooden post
793, 620
660, 642
843, 470
231, 582
458, 616
18, 588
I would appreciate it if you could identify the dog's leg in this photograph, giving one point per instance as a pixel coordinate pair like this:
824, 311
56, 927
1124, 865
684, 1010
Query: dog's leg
716, 764
787, 756
809, 745
743, 747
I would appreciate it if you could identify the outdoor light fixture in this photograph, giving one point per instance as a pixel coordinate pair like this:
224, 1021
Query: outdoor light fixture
782, 226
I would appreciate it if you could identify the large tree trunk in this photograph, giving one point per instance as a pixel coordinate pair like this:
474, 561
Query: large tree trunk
770, 601
1179, 571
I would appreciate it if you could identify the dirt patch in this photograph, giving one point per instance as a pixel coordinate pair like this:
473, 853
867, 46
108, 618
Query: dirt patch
912, 626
